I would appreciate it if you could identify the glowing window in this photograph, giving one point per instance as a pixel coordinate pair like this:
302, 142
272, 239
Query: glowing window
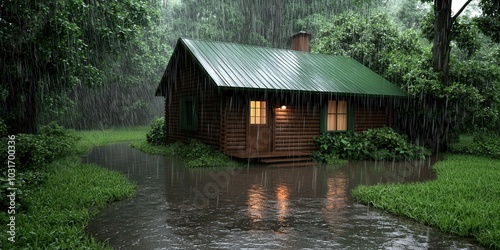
337, 116
257, 112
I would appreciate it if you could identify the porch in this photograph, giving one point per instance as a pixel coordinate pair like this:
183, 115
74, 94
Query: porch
276, 158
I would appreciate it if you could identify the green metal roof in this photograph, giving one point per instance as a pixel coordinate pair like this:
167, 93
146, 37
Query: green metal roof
243, 66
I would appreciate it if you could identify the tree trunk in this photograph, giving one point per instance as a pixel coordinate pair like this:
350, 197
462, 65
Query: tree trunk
442, 38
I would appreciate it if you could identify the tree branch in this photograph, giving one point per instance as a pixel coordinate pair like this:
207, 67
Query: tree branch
460, 11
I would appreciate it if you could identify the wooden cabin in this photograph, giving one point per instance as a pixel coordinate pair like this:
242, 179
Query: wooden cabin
252, 102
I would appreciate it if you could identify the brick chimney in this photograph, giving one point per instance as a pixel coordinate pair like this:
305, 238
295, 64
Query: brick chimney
300, 41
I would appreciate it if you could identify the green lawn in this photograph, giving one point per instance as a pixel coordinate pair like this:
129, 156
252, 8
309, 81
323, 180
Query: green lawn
57, 212
464, 200
93, 138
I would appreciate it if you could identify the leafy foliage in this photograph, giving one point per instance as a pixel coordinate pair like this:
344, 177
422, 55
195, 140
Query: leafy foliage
373, 144
468, 101
481, 143
63, 45
35, 151
156, 135
32, 154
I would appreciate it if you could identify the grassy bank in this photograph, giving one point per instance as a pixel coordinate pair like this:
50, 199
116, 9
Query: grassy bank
464, 200
93, 138
54, 214
194, 154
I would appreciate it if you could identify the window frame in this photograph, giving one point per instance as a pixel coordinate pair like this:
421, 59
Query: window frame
324, 117
260, 110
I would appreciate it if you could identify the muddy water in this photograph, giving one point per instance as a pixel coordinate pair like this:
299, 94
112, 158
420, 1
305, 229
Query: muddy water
257, 207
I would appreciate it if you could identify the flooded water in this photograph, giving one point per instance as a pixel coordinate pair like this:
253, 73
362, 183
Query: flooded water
257, 207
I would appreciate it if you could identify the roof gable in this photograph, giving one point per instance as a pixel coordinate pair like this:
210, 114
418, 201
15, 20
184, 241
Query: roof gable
232, 65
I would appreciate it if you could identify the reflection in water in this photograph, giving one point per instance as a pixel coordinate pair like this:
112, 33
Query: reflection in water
335, 200
282, 202
256, 203
256, 207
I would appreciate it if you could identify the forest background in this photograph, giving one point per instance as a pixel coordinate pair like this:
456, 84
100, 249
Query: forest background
90, 64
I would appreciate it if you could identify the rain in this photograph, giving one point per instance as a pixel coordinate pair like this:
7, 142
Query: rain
226, 74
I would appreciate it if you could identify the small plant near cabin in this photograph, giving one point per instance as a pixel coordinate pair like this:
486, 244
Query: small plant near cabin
156, 135
373, 144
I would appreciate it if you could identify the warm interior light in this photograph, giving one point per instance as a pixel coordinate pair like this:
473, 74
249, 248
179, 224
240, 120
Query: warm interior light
283, 107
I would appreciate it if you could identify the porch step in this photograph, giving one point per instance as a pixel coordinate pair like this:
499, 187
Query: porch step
287, 161
284, 159
294, 164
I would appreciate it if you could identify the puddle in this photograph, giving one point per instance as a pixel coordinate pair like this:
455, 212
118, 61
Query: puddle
257, 207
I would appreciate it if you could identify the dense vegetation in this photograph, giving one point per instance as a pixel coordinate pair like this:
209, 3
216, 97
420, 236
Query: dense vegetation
57, 194
73, 56
480, 143
373, 144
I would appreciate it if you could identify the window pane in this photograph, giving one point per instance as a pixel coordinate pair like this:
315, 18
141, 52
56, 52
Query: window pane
332, 107
336, 116
331, 122
342, 107
341, 122
258, 112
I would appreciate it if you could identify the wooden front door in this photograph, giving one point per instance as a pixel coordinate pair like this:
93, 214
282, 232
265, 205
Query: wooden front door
259, 128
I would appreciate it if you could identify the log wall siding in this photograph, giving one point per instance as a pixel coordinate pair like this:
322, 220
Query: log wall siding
295, 127
233, 123
368, 118
191, 82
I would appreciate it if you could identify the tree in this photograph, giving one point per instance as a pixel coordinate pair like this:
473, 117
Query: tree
405, 58
53, 46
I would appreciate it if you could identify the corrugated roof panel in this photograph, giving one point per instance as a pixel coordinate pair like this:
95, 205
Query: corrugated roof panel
244, 66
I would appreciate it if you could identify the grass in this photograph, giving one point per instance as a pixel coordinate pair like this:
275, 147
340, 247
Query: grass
57, 212
464, 200
194, 154
93, 138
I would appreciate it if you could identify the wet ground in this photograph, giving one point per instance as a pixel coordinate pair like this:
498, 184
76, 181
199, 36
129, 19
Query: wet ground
257, 207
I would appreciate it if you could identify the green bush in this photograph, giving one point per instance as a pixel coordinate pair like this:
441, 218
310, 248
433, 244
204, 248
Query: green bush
32, 153
373, 144
482, 143
156, 135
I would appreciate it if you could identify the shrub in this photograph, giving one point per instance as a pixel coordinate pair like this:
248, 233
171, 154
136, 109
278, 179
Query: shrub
156, 135
482, 143
373, 144
52, 142
33, 152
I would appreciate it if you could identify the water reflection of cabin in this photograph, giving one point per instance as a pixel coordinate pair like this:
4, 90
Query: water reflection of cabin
253, 102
